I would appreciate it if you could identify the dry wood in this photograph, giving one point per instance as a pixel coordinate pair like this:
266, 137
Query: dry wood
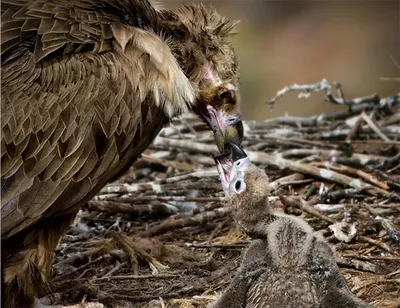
340, 169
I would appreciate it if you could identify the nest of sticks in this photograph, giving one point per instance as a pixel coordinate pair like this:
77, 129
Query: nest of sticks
161, 236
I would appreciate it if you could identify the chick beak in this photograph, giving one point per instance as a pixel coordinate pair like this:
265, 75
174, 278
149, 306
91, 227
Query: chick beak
224, 167
227, 129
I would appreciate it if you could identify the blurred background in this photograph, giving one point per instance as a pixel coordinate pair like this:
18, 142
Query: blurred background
283, 42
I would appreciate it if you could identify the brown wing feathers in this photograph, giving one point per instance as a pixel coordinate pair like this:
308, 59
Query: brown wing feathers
82, 25
74, 83
86, 85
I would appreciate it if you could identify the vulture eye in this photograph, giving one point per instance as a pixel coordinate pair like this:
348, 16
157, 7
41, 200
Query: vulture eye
225, 95
240, 186
179, 33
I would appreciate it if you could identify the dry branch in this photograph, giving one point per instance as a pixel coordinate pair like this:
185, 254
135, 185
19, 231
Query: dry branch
171, 224
342, 169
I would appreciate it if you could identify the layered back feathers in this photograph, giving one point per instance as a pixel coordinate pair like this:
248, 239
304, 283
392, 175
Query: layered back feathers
81, 80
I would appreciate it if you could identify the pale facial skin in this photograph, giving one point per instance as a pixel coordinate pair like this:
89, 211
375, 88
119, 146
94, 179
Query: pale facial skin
232, 171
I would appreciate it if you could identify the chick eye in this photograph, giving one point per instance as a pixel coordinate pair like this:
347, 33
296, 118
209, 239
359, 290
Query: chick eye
240, 186
237, 185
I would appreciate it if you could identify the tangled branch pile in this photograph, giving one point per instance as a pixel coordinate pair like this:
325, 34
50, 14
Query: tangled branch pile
161, 236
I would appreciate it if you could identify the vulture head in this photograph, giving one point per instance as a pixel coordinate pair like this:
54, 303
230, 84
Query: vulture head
200, 43
86, 86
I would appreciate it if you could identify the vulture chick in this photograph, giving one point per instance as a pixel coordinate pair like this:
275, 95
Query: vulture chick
86, 86
287, 265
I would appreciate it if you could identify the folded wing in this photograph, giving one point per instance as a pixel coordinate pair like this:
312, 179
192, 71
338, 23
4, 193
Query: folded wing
86, 85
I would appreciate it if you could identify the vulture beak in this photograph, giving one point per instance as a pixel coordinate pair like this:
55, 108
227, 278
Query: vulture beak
227, 128
237, 152
240, 160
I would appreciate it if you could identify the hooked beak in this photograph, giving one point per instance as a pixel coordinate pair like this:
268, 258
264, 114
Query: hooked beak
227, 129
240, 160
237, 152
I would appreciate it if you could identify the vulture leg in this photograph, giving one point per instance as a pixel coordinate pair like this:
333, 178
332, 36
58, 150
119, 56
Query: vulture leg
27, 261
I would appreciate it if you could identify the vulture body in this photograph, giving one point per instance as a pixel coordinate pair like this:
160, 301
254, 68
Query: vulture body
287, 265
86, 85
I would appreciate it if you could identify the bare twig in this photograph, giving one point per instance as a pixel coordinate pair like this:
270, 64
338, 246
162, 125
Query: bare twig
135, 277
373, 126
305, 207
171, 224
323, 85
377, 243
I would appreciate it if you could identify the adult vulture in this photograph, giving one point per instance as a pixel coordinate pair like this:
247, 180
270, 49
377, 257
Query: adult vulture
86, 85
